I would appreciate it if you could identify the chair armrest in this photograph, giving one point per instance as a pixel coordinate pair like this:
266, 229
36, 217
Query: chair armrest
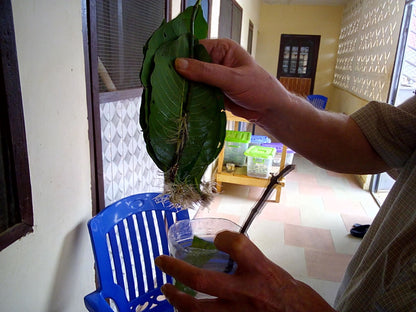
95, 302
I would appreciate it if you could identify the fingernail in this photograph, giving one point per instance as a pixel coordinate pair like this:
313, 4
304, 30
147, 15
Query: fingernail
158, 262
181, 63
163, 289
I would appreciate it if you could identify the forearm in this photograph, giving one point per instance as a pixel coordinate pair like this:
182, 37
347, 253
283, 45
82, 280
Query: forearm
330, 140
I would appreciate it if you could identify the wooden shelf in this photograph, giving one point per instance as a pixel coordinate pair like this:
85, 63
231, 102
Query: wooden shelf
239, 175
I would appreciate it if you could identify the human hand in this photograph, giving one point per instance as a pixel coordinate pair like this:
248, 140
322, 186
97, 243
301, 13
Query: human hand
249, 89
329, 140
257, 285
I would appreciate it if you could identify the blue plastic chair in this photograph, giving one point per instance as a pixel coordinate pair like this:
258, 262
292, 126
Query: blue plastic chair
319, 101
126, 237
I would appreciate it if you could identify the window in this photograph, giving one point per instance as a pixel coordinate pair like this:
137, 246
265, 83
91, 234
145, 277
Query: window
295, 62
16, 216
115, 33
123, 28
231, 17
298, 55
403, 86
404, 72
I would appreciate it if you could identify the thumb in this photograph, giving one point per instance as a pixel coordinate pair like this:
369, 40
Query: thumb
209, 73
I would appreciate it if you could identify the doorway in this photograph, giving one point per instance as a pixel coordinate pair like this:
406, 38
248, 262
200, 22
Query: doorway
403, 86
298, 57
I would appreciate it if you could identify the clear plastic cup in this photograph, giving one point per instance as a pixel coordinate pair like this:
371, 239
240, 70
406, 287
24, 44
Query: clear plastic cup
200, 251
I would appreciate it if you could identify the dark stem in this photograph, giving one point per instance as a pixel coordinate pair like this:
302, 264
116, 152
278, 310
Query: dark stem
183, 133
259, 205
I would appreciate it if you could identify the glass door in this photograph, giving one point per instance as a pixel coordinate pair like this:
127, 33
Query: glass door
402, 87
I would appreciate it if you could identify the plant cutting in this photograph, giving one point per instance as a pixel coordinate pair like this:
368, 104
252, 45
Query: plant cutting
183, 122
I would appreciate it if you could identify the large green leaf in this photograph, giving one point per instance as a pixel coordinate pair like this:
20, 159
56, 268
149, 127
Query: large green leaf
183, 122
199, 253
166, 32
170, 31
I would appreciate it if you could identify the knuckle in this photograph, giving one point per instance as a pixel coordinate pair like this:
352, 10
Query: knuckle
238, 244
196, 280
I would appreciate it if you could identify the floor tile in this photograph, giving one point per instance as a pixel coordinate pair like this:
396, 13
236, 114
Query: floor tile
370, 206
281, 212
308, 237
350, 219
315, 189
344, 242
318, 217
327, 289
343, 205
326, 265
307, 232
269, 237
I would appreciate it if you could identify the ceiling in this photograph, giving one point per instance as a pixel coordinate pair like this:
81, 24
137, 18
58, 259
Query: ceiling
307, 2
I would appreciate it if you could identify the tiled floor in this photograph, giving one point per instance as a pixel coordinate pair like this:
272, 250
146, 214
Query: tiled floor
307, 233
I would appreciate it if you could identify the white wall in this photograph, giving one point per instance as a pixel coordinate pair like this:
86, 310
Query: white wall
51, 269
251, 12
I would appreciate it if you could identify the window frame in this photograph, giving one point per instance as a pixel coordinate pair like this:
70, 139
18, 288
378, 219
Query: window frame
250, 37
15, 130
95, 97
222, 18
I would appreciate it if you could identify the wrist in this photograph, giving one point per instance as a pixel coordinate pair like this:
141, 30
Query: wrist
277, 113
301, 297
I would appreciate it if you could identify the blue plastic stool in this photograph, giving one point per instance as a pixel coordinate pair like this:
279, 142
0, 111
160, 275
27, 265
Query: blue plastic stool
319, 101
126, 237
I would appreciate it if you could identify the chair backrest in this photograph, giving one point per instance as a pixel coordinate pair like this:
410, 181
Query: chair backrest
319, 101
126, 237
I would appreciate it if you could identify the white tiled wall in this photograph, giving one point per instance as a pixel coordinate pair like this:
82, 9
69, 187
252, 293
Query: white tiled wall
128, 169
367, 47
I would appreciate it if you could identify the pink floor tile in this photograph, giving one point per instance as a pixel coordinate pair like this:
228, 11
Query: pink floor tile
281, 213
302, 177
308, 237
307, 188
255, 193
326, 265
288, 195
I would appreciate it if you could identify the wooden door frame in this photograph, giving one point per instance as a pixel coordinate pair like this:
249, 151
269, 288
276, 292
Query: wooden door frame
316, 42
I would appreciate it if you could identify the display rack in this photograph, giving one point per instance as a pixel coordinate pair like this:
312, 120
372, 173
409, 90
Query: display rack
239, 175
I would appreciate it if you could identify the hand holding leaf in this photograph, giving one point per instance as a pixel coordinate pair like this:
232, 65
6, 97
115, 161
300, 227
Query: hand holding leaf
183, 122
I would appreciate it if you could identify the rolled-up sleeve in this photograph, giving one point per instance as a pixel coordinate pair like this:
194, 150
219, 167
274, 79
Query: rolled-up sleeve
390, 130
